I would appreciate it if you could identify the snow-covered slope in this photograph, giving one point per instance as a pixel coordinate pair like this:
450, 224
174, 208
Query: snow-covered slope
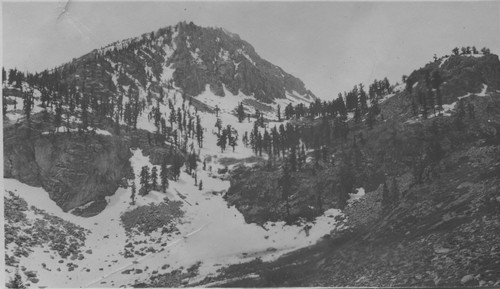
209, 232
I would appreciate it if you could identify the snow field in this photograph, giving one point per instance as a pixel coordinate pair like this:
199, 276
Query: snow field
211, 232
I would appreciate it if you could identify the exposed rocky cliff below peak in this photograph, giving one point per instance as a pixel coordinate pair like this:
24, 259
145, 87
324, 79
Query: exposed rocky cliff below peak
74, 169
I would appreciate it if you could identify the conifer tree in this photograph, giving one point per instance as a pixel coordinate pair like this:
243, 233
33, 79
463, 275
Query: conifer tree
4, 104
58, 116
362, 99
132, 196
245, 138
144, 179
233, 140
176, 168
240, 111
200, 185
258, 143
28, 103
199, 133
357, 115
191, 162
13, 76
16, 282
154, 177
164, 176
217, 109
222, 140
218, 125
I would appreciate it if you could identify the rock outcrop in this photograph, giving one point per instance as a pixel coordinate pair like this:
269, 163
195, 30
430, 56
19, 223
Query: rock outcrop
74, 169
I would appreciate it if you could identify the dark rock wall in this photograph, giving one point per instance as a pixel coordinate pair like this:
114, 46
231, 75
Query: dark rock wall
73, 169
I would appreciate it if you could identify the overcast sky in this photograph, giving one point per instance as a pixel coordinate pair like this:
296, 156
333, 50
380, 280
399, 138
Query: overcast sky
329, 45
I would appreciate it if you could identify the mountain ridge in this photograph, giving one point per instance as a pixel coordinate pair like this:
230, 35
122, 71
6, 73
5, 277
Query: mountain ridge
190, 57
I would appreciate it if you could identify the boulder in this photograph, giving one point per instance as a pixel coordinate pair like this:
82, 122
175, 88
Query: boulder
30, 274
467, 279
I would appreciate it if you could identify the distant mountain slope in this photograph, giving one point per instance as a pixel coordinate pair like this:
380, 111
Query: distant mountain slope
192, 58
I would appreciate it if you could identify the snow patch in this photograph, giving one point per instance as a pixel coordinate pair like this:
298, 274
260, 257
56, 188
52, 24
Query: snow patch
356, 197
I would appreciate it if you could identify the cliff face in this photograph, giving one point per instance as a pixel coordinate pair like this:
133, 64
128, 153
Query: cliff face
74, 169
217, 57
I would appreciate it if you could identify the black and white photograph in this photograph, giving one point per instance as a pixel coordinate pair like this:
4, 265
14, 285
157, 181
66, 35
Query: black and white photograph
257, 144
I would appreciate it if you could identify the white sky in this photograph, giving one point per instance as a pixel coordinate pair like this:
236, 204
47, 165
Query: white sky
329, 45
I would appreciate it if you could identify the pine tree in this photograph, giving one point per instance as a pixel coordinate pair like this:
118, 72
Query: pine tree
154, 177
4, 75
222, 140
233, 140
176, 168
200, 185
218, 125
132, 196
217, 109
357, 115
370, 118
258, 143
245, 138
28, 103
362, 99
484, 50
192, 163
4, 104
13, 73
17, 282
164, 176
144, 180
279, 113
240, 112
